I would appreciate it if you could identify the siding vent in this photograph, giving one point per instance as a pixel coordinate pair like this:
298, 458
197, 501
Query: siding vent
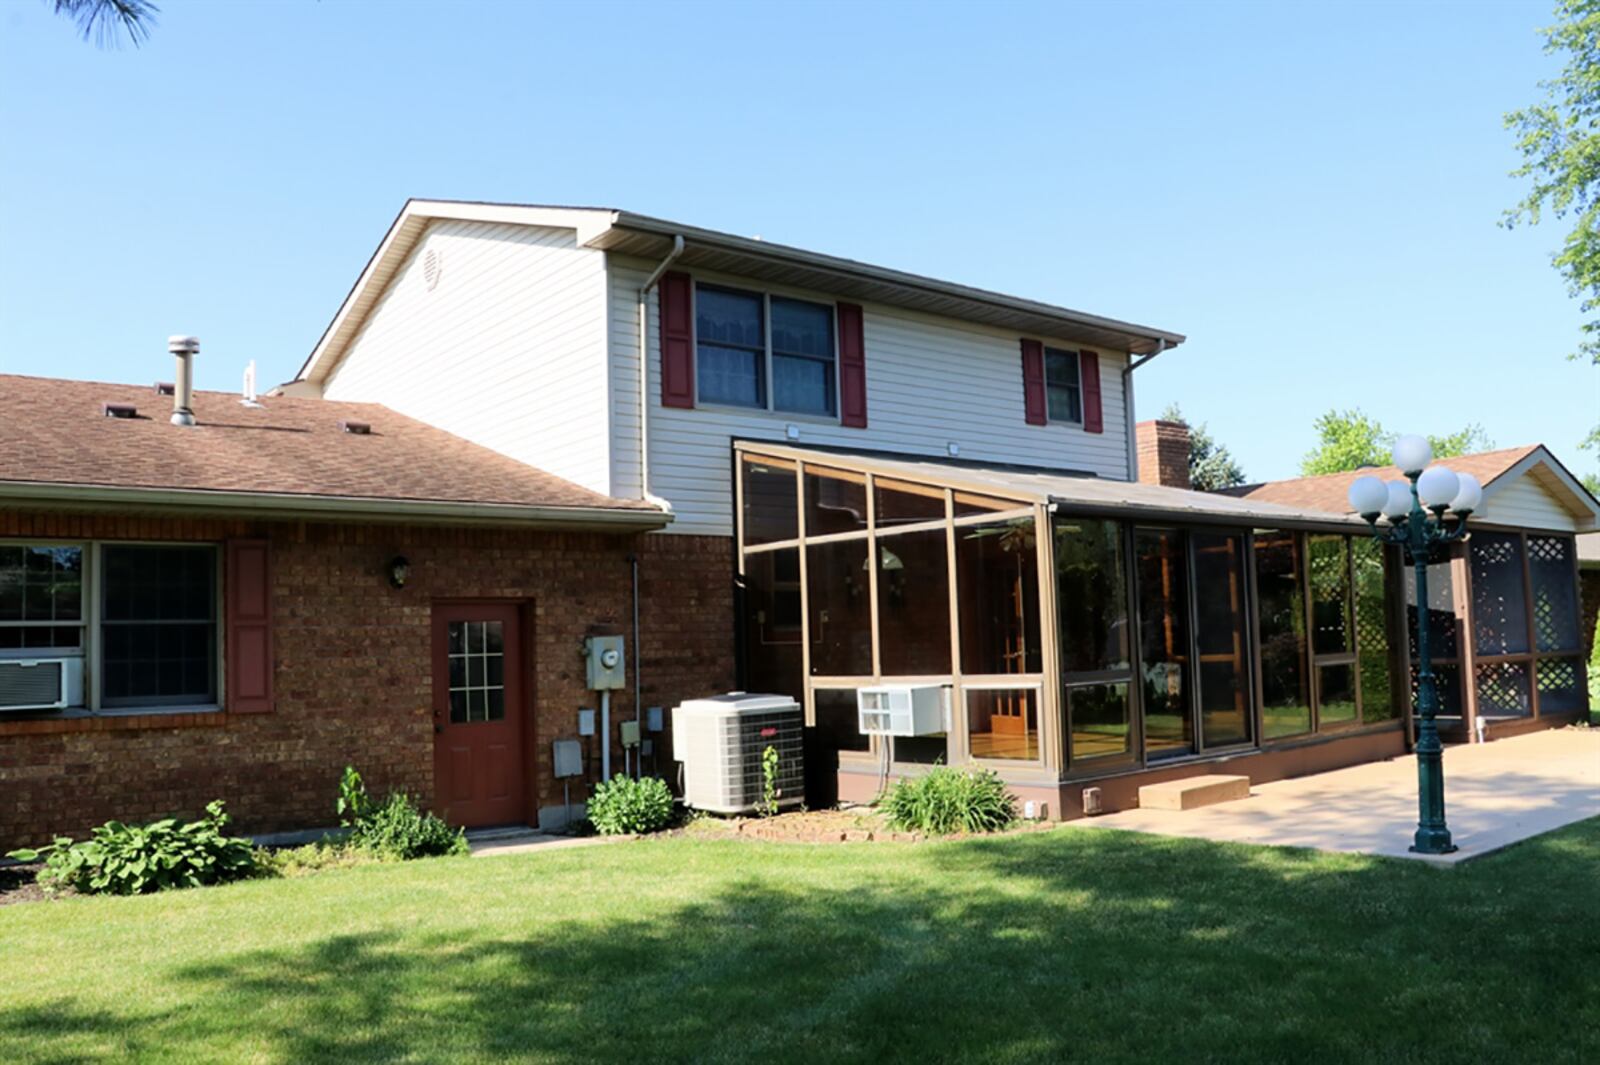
119, 410
356, 428
432, 267
164, 388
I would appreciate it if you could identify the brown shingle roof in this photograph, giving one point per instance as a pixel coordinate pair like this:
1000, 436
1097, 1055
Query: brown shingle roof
54, 432
1328, 492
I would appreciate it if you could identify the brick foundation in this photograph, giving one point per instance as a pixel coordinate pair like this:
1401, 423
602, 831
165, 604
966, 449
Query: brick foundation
353, 673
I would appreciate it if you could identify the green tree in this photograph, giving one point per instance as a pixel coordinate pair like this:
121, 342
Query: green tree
1349, 440
1211, 466
103, 21
1559, 139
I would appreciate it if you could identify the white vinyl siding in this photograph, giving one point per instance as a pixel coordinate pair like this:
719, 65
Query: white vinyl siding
930, 381
1524, 504
506, 350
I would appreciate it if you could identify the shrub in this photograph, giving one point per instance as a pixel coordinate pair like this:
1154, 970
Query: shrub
136, 859
310, 858
945, 800
393, 829
626, 805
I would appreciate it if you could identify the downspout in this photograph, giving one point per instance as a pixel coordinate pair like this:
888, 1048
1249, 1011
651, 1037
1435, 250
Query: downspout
1127, 400
644, 377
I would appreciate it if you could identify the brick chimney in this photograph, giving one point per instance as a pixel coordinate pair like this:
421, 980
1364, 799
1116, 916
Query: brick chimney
1163, 453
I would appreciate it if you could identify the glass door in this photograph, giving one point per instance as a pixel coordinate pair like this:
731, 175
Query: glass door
1222, 649
1162, 579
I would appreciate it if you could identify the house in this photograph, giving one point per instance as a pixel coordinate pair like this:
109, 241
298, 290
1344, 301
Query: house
1506, 620
803, 415
238, 608
762, 466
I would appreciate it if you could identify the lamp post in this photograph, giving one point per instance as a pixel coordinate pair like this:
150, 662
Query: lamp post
1432, 490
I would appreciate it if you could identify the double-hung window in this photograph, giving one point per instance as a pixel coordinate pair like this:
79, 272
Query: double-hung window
1063, 389
766, 352
135, 624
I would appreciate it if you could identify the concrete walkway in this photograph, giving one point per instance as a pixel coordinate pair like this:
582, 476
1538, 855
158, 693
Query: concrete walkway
520, 841
1495, 794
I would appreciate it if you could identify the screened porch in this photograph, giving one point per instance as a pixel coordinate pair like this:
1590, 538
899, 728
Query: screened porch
1082, 627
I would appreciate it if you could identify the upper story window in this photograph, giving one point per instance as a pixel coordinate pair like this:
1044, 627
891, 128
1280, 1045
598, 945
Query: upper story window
1063, 388
744, 340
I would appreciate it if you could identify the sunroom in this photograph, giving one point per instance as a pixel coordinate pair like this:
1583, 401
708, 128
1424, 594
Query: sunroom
1086, 634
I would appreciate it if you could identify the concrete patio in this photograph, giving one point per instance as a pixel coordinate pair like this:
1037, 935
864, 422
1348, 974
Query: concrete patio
1495, 794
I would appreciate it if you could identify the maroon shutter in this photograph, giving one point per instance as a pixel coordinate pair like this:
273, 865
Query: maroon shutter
677, 341
247, 636
1033, 403
852, 367
1089, 375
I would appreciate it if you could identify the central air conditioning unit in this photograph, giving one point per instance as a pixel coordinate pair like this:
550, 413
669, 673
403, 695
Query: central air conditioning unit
903, 710
720, 741
40, 683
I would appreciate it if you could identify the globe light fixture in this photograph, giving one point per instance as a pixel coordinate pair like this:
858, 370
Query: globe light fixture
1426, 511
1368, 495
1412, 454
1469, 495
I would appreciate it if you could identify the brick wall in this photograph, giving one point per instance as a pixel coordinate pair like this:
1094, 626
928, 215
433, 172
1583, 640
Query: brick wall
1163, 451
352, 669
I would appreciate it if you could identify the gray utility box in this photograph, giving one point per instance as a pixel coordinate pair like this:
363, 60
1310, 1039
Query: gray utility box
720, 741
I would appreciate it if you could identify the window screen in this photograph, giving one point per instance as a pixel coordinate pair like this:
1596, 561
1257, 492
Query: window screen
159, 625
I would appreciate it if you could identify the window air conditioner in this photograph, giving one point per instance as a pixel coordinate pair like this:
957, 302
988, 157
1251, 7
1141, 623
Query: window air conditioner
39, 683
902, 709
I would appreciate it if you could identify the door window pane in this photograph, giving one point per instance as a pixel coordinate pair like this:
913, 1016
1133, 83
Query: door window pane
159, 625
1555, 593
1441, 611
1163, 591
771, 508
1224, 659
998, 582
1102, 724
476, 671
841, 618
1285, 680
836, 502
1004, 724
1092, 596
1373, 650
1330, 594
914, 604
1499, 597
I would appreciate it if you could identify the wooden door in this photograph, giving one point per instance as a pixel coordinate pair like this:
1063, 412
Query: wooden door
478, 714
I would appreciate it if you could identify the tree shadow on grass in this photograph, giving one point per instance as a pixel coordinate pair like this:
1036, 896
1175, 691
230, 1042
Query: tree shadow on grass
1058, 946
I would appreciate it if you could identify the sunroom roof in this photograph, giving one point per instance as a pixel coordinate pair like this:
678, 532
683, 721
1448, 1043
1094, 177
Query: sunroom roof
1063, 489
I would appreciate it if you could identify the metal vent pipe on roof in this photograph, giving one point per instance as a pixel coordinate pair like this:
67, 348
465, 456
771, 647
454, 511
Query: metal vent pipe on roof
185, 349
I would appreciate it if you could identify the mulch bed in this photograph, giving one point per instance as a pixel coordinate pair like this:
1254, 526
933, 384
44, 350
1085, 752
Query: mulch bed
20, 883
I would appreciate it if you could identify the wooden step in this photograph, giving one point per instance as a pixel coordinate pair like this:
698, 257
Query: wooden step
1191, 793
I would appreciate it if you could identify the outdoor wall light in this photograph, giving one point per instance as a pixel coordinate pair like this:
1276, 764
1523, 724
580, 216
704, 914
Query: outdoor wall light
1420, 535
399, 571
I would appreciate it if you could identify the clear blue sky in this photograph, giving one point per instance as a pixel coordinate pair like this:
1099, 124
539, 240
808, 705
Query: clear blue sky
1309, 192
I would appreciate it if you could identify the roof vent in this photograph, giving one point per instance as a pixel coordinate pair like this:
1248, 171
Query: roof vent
432, 267
164, 388
119, 410
358, 428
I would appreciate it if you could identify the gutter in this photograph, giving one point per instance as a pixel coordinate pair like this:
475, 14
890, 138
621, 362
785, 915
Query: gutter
289, 504
644, 374
1127, 405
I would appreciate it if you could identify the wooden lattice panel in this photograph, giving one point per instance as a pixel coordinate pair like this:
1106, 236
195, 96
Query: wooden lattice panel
1503, 689
1555, 599
1561, 686
1499, 595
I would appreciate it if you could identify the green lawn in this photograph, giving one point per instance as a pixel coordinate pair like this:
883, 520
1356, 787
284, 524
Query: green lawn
1083, 945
